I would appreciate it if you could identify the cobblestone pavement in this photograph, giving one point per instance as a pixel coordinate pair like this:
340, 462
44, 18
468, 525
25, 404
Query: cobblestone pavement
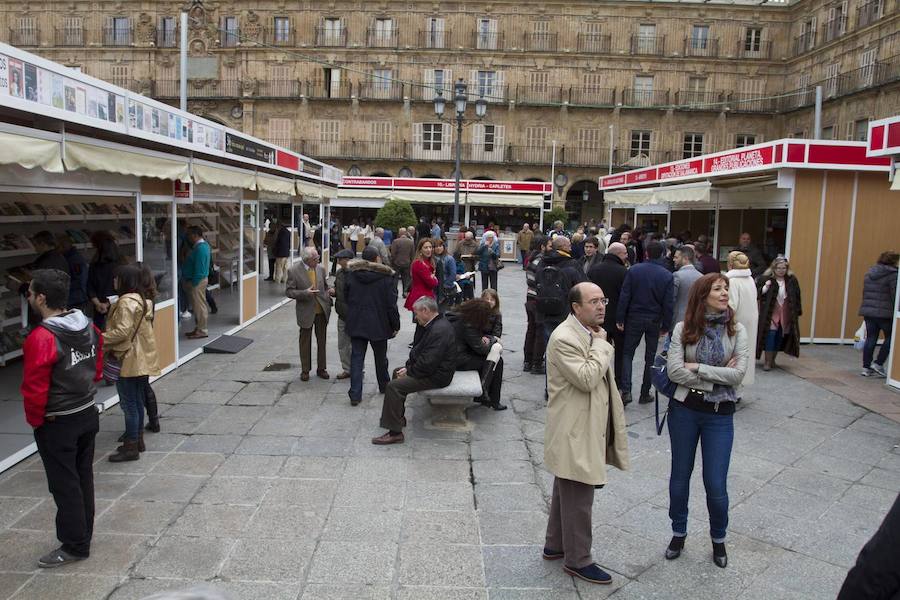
267, 487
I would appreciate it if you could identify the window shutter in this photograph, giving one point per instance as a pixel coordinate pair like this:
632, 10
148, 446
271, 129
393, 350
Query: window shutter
478, 135
473, 79
417, 137
499, 91
447, 142
499, 137
844, 17
428, 78
448, 81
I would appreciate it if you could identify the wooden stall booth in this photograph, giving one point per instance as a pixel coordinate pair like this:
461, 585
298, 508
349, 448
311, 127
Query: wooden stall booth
825, 205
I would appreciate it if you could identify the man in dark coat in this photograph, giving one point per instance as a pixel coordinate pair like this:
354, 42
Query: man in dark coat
609, 273
370, 291
431, 365
342, 257
758, 262
571, 274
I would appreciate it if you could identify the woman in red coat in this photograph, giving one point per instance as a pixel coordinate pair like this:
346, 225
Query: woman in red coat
424, 281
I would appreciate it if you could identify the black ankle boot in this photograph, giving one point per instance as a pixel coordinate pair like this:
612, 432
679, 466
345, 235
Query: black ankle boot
675, 547
538, 368
152, 410
526, 368
720, 557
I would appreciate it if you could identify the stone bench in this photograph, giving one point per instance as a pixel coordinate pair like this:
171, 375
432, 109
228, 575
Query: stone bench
449, 403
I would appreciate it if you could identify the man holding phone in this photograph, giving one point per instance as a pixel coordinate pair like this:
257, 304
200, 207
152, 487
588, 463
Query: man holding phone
307, 284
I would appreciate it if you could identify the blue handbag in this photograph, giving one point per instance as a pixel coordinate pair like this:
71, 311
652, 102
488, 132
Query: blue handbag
659, 377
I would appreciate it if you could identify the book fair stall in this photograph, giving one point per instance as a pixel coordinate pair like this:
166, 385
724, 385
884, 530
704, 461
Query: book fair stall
112, 175
825, 205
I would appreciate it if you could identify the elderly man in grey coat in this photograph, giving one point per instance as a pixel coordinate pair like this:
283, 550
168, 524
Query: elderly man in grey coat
378, 243
684, 277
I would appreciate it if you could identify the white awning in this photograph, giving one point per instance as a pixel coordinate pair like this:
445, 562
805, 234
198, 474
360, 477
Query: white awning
352, 193
356, 202
511, 200
305, 188
661, 195
275, 184
227, 177
30, 152
116, 160
426, 197
631, 197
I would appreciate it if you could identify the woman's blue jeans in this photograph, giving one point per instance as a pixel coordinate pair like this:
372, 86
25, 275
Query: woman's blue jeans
716, 435
132, 391
774, 338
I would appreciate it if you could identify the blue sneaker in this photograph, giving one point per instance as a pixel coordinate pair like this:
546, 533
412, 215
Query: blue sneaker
591, 573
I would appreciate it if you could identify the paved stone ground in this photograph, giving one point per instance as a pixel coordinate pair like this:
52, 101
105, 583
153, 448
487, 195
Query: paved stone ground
266, 487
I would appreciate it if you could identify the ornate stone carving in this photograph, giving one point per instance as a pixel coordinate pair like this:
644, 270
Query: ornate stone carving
145, 86
144, 31
197, 47
251, 29
248, 86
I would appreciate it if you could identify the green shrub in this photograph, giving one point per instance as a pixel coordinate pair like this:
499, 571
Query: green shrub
557, 214
395, 214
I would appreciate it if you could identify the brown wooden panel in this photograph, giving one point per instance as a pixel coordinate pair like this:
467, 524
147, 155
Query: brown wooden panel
250, 306
874, 231
805, 238
833, 261
164, 331
619, 216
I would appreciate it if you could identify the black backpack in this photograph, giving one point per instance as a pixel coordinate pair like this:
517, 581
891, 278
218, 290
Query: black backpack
552, 292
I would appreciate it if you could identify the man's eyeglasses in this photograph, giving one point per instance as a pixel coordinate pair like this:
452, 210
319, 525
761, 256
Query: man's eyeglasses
596, 301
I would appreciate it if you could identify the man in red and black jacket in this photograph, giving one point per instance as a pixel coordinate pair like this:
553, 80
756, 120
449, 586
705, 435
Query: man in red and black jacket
63, 360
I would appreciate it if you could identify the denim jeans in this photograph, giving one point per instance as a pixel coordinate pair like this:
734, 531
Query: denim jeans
132, 391
634, 331
716, 435
358, 360
873, 327
774, 338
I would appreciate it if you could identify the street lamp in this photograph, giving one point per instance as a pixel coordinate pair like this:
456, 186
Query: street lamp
460, 99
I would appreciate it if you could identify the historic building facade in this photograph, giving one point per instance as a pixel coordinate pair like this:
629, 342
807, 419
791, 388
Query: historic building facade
353, 82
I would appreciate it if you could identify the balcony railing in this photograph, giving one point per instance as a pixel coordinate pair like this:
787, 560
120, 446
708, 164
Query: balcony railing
380, 89
648, 98
703, 47
326, 90
280, 37
230, 38
69, 37
697, 100
482, 40
279, 88
651, 45
754, 49
594, 43
493, 93
586, 156
207, 88
869, 12
324, 149
485, 152
592, 96
752, 103
166, 38
24, 37
535, 154
426, 93
382, 38
633, 159
540, 42
858, 80
538, 94
330, 38
117, 36
834, 28
804, 43
439, 39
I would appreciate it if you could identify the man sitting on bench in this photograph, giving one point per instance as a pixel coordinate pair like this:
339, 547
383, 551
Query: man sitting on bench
430, 365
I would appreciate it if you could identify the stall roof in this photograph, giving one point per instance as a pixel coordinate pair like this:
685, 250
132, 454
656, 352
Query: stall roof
477, 192
37, 86
884, 137
465, 185
758, 158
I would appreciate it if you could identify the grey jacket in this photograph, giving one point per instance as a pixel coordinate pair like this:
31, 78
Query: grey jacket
879, 291
298, 284
707, 375
684, 278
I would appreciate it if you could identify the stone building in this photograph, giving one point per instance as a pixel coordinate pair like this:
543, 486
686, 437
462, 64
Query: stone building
353, 82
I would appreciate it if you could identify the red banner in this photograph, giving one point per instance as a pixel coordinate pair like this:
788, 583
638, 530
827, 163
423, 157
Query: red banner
735, 161
680, 169
641, 176
518, 187
367, 182
287, 160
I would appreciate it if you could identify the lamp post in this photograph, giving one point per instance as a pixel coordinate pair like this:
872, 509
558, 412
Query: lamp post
460, 99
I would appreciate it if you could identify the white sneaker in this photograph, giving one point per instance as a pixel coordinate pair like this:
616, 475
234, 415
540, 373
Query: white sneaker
879, 369
867, 373
186, 314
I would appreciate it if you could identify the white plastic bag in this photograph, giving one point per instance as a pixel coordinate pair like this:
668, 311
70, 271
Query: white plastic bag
859, 339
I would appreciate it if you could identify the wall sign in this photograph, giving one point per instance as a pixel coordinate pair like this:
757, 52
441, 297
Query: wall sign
240, 146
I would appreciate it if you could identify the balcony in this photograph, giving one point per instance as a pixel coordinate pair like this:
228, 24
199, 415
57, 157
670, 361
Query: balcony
24, 37
380, 89
698, 100
426, 93
324, 149
279, 88
645, 98
280, 37
538, 94
701, 47
436, 39
588, 156
484, 153
328, 37
864, 78
594, 43
533, 155
834, 28
648, 45
167, 38
230, 38
493, 93
592, 96
382, 38
752, 103
487, 40
206, 88
634, 158
868, 13
118, 36
540, 42
321, 90
69, 37
754, 49
804, 43
352, 149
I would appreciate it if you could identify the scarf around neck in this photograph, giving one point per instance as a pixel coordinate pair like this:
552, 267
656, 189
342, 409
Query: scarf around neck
711, 351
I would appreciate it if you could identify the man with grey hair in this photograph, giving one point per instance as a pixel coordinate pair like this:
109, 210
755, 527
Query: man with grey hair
431, 365
307, 284
378, 243
402, 250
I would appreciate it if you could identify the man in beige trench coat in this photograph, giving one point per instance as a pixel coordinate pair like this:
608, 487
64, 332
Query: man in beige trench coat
585, 429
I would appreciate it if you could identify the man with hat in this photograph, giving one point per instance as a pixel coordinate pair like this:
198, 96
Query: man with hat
340, 307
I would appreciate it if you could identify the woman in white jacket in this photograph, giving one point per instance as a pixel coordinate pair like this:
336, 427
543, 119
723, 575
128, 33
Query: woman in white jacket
743, 301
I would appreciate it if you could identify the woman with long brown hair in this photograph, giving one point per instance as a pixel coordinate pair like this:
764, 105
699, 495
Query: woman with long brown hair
708, 357
477, 349
424, 280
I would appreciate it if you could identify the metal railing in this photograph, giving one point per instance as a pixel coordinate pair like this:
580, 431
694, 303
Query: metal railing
639, 97
703, 47
633, 158
279, 88
24, 37
279, 37
118, 36
697, 100
331, 38
207, 88
594, 43
69, 37
834, 28
752, 103
425, 93
491, 40
485, 152
382, 38
436, 39
538, 94
804, 43
650, 45
167, 38
540, 42
869, 12
321, 89
592, 96
540, 154
380, 89
584, 156
754, 49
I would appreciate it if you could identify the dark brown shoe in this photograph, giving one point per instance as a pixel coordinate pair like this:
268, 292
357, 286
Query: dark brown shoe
323, 374
343, 375
388, 438
304, 376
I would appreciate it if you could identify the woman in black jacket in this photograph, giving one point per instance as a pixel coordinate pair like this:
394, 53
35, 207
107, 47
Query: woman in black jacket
101, 271
879, 291
477, 350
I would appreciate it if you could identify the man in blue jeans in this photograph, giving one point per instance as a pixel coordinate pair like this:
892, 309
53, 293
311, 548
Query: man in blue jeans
645, 311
